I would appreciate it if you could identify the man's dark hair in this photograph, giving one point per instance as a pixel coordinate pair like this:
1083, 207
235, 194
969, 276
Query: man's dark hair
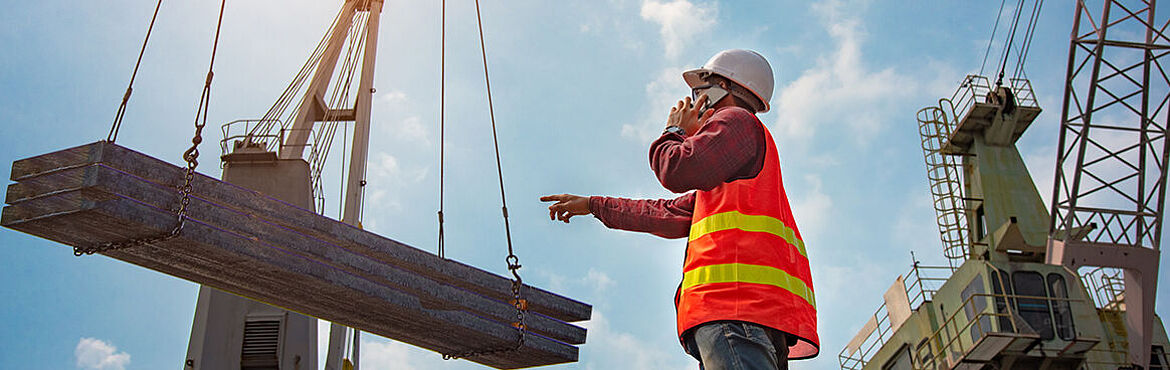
743, 97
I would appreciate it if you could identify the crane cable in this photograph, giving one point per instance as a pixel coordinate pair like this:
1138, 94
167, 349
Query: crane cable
513, 262
117, 125
192, 153
442, 118
1007, 48
994, 28
1027, 44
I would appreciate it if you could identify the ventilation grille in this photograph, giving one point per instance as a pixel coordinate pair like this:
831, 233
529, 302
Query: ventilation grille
261, 345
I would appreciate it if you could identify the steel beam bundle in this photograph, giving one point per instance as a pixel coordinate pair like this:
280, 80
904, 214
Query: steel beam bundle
244, 242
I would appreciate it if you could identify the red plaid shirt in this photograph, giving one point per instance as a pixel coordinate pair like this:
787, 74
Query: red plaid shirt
728, 147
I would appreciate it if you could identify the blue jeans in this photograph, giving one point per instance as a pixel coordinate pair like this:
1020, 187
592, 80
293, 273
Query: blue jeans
737, 345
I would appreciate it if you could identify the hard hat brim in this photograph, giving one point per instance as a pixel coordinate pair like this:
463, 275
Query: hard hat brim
694, 78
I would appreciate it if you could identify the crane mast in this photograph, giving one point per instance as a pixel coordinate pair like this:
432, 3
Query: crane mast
1111, 164
1067, 286
269, 155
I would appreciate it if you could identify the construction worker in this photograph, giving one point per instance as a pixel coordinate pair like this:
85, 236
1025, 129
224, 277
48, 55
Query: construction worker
746, 297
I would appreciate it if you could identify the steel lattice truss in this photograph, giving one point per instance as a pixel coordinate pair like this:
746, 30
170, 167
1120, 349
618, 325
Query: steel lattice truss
1111, 164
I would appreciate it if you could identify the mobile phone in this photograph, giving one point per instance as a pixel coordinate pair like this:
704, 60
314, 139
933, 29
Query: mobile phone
714, 94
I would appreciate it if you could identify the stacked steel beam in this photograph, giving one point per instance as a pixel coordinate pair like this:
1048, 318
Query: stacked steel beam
244, 242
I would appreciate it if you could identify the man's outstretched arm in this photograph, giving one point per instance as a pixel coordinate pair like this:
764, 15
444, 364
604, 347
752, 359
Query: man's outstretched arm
668, 218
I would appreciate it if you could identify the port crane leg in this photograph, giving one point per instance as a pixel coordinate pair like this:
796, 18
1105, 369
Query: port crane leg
312, 104
356, 178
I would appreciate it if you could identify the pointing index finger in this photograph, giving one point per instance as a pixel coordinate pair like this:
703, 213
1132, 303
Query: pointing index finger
550, 198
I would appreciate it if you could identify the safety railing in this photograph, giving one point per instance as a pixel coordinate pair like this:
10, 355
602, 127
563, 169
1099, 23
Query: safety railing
975, 88
246, 133
855, 355
958, 333
1022, 89
241, 130
921, 283
1107, 286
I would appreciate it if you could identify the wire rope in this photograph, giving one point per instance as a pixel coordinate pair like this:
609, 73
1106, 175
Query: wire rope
442, 120
272, 116
117, 125
512, 260
191, 156
1008, 46
998, 15
1028, 37
341, 189
341, 91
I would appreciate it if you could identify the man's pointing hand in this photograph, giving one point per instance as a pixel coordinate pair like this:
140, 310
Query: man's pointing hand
566, 206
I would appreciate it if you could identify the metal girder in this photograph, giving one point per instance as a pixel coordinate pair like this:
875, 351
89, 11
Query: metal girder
244, 242
1111, 160
1111, 164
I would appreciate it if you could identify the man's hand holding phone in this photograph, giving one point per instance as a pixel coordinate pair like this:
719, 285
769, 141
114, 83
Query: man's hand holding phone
690, 117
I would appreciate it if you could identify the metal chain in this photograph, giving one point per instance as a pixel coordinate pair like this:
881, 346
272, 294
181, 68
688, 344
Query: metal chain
185, 201
521, 307
191, 156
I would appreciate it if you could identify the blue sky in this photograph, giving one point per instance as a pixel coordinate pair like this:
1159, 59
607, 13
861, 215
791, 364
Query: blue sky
580, 89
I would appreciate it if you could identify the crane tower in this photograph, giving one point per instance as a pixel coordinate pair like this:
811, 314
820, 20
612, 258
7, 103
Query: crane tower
279, 159
1065, 286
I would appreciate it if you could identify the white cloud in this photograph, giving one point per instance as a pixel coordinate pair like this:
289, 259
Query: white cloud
661, 93
840, 89
96, 354
387, 180
679, 21
916, 227
393, 98
387, 355
811, 208
404, 123
386, 166
598, 280
412, 129
612, 349
1041, 164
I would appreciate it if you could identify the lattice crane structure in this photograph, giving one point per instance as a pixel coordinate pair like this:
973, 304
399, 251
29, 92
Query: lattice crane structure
1068, 286
1110, 188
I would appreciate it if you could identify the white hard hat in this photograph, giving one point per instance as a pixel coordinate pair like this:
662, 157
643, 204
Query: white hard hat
744, 67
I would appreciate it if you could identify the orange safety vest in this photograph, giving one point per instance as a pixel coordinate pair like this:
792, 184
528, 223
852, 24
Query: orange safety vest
745, 260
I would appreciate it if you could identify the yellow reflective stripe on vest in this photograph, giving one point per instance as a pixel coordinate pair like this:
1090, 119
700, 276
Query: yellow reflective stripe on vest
735, 220
744, 273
